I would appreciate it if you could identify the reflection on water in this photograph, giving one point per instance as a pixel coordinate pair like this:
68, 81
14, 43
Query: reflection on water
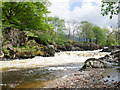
34, 78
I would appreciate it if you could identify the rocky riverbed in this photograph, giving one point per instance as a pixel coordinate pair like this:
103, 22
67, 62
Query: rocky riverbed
91, 78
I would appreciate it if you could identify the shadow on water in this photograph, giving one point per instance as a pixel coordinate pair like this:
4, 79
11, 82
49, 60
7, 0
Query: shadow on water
35, 78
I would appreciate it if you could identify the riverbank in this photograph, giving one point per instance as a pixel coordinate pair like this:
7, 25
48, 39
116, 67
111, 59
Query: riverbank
91, 78
24, 45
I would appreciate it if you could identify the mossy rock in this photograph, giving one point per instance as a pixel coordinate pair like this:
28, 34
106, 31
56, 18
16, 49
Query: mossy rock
24, 55
39, 53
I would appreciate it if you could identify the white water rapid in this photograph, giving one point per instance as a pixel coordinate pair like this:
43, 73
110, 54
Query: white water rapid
60, 58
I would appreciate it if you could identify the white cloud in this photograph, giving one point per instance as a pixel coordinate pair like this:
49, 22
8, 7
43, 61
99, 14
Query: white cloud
88, 11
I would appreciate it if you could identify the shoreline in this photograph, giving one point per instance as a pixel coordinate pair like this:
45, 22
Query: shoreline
91, 78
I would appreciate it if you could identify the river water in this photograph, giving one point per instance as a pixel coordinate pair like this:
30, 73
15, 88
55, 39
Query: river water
27, 73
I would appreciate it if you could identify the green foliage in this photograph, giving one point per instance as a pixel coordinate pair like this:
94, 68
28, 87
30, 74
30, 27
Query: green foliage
100, 37
44, 37
110, 8
61, 39
25, 15
87, 31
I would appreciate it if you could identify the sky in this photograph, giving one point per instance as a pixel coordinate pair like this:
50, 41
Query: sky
80, 10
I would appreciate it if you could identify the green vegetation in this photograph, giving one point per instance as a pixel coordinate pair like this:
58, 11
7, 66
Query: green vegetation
100, 36
110, 8
32, 18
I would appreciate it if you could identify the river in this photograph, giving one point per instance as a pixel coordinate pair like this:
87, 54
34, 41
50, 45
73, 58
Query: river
27, 73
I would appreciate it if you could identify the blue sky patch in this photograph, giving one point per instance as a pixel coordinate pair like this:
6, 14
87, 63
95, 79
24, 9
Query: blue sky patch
75, 4
79, 3
94, 3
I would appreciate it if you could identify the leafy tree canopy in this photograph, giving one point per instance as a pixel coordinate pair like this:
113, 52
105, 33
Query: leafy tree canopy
110, 8
25, 15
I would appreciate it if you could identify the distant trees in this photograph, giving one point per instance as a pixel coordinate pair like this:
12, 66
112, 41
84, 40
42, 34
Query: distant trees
87, 32
99, 35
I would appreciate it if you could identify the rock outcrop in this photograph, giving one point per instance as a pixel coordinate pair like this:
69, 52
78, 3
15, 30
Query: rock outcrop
108, 61
17, 45
77, 46
14, 37
110, 48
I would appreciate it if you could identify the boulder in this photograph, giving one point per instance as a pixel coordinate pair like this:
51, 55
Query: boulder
93, 63
14, 36
69, 47
90, 46
24, 55
107, 61
51, 50
60, 47
1, 55
110, 48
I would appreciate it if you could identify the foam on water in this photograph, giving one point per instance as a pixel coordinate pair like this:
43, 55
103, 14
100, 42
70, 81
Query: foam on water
61, 58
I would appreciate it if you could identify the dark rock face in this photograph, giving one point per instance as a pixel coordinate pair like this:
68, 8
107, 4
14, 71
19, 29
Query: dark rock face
51, 50
95, 63
17, 45
60, 48
77, 46
24, 55
14, 37
110, 48
108, 61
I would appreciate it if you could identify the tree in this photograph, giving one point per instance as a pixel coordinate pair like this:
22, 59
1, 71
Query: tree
25, 15
79, 32
100, 37
58, 25
110, 8
87, 31
69, 29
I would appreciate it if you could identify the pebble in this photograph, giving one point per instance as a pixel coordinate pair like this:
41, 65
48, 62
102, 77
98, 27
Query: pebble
89, 80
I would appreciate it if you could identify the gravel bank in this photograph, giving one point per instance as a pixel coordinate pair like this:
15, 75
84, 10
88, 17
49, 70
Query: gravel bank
91, 78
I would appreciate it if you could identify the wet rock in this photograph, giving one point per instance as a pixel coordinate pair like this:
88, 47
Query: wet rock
60, 47
110, 48
1, 55
107, 61
93, 63
51, 50
24, 55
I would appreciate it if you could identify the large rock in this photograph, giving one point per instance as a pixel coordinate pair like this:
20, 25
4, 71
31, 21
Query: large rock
108, 61
93, 63
110, 48
60, 48
14, 36
90, 46
77, 46
51, 50
24, 55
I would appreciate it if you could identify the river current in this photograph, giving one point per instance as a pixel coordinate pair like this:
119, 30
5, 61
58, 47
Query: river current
26, 73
